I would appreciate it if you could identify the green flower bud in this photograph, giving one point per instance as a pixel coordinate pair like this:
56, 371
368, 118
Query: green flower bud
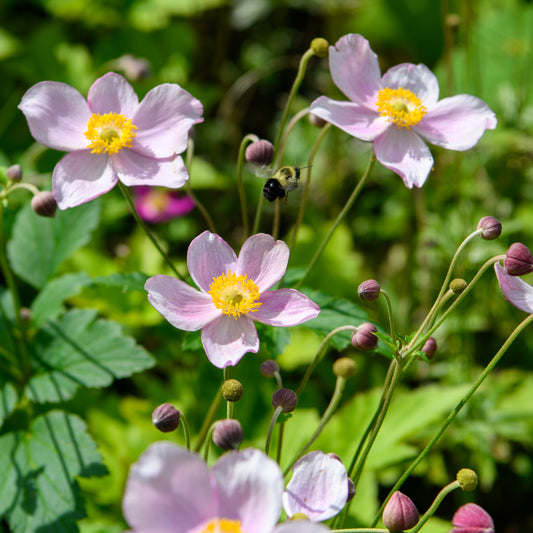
458, 285
232, 390
467, 479
320, 47
344, 367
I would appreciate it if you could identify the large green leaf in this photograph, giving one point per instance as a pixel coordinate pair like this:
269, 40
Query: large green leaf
38, 490
39, 245
79, 350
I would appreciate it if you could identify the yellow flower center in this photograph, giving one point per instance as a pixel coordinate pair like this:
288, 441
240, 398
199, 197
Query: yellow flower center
109, 133
223, 525
235, 295
401, 106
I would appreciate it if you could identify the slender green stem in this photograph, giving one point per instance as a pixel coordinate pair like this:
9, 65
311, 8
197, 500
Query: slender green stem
186, 431
435, 505
21, 185
305, 193
20, 336
208, 442
281, 149
379, 421
334, 402
276, 219
273, 420
437, 304
294, 89
280, 442
391, 317
339, 219
258, 211
320, 353
240, 186
208, 420
188, 187
494, 361
144, 227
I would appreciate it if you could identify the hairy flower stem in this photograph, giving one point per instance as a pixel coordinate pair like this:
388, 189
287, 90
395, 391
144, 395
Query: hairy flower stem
240, 186
186, 430
273, 420
208, 420
19, 337
361, 530
339, 219
334, 402
144, 227
494, 361
391, 318
435, 505
432, 312
305, 192
320, 353
188, 188
294, 89
367, 440
413, 345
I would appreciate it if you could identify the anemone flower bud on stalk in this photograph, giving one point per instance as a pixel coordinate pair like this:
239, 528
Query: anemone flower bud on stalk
518, 260
228, 434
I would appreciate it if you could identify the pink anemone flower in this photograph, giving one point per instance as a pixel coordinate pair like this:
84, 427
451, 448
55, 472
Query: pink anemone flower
234, 291
318, 487
111, 136
399, 110
171, 490
516, 290
471, 518
158, 205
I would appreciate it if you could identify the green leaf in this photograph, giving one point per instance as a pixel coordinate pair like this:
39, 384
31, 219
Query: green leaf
132, 281
39, 245
79, 350
8, 399
335, 312
49, 302
38, 489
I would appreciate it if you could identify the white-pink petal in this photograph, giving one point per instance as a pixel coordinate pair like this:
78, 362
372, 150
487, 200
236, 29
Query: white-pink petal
57, 115
285, 307
134, 169
168, 491
318, 487
181, 305
163, 120
416, 78
81, 176
516, 290
404, 152
112, 94
208, 257
355, 69
362, 122
263, 260
457, 123
301, 526
226, 340
249, 486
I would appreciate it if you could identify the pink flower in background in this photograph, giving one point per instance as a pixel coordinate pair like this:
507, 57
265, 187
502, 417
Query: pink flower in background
234, 291
515, 290
318, 487
111, 136
399, 110
171, 490
157, 204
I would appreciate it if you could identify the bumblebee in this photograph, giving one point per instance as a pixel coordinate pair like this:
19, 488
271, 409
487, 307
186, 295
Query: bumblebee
280, 181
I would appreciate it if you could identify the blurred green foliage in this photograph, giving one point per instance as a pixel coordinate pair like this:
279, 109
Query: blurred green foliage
239, 58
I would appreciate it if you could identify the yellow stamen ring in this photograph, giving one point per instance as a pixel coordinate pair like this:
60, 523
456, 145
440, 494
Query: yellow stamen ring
235, 295
109, 133
223, 525
401, 106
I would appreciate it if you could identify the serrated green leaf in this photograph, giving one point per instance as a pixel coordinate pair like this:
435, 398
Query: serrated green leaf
49, 302
131, 281
39, 245
335, 312
79, 350
273, 340
38, 490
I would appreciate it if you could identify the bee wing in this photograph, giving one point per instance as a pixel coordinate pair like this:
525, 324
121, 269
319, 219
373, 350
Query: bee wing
261, 171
